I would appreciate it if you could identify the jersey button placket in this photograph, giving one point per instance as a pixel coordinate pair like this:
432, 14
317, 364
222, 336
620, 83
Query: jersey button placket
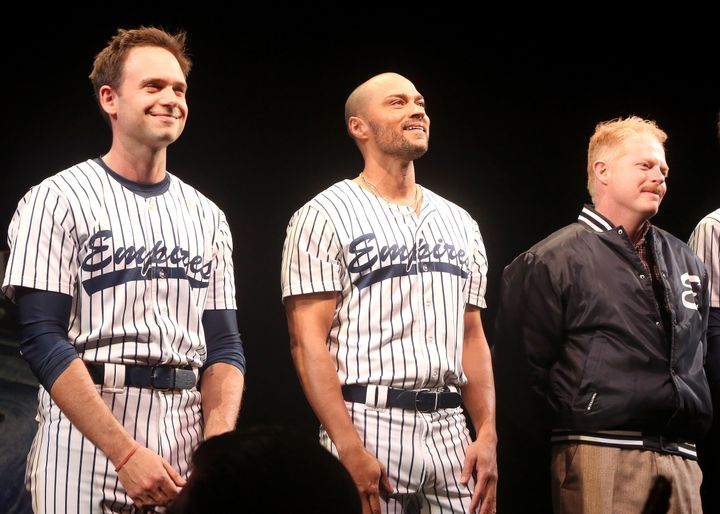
419, 314
157, 273
147, 234
425, 303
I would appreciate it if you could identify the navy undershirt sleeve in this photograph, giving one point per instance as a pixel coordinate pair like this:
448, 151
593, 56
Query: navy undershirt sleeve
223, 338
43, 317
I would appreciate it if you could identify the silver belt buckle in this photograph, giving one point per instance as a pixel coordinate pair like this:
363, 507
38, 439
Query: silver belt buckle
417, 400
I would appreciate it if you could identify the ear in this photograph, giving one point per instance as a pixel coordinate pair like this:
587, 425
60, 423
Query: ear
107, 97
357, 127
602, 172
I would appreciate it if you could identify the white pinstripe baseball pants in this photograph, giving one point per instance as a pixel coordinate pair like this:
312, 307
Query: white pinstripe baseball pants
66, 473
422, 452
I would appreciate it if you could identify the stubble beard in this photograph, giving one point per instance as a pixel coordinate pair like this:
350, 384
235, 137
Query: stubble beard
396, 144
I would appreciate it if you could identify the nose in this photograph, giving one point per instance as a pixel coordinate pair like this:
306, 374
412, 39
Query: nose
657, 175
168, 96
419, 113
418, 110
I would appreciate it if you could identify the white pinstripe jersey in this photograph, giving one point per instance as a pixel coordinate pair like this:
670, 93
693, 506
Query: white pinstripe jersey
404, 282
705, 240
141, 270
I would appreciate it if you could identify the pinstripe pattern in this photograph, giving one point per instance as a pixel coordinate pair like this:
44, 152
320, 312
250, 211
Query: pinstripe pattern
141, 270
403, 331
404, 282
65, 471
423, 453
704, 241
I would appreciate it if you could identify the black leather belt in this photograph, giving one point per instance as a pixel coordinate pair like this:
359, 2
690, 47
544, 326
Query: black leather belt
157, 377
419, 400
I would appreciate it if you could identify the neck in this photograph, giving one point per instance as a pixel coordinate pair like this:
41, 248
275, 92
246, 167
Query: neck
632, 222
397, 183
143, 165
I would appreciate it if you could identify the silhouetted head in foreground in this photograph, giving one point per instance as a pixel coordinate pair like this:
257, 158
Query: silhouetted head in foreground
266, 469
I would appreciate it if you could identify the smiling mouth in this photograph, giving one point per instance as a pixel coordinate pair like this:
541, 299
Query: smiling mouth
164, 115
415, 127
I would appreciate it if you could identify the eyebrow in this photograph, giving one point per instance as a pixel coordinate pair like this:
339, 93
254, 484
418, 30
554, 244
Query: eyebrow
174, 83
405, 95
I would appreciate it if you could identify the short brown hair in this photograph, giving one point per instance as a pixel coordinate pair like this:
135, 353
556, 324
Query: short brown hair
609, 137
108, 64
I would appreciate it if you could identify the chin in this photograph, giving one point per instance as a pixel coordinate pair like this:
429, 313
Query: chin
651, 211
168, 138
416, 152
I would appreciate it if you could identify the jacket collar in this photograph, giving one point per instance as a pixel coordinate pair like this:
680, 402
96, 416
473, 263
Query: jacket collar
599, 223
594, 220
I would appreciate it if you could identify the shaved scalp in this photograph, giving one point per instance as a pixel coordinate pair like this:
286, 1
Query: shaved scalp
358, 99
355, 102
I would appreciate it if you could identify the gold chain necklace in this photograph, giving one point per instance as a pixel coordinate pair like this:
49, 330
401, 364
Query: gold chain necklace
374, 190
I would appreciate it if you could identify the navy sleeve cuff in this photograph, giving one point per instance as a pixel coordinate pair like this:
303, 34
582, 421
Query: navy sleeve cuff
222, 338
43, 317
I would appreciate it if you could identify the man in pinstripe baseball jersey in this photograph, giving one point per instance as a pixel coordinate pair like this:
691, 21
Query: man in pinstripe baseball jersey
383, 282
124, 283
705, 240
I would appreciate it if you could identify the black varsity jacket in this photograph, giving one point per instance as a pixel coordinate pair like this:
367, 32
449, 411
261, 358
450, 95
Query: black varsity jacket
581, 347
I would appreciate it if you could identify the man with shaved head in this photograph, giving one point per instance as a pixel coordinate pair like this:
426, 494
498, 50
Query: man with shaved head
383, 281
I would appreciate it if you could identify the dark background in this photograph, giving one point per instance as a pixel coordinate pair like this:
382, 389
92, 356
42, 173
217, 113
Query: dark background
512, 107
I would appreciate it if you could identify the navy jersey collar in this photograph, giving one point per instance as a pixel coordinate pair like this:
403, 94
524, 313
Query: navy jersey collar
144, 190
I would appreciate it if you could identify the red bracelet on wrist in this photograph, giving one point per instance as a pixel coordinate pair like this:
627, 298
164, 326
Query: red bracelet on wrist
127, 457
